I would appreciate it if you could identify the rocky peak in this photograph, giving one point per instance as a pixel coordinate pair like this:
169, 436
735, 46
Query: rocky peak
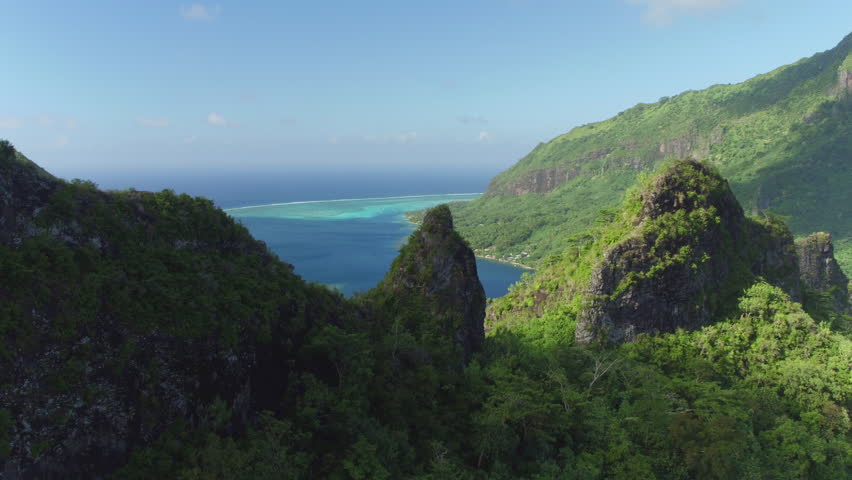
820, 270
437, 269
691, 251
438, 219
689, 185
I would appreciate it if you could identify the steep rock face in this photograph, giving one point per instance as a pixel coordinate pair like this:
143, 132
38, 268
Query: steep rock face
124, 315
844, 73
820, 270
691, 251
692, 145
536, 181
844, 82
436, 272
544, 180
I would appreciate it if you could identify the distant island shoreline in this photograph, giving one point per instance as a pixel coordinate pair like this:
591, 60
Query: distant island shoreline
410, 217
302, 202
498, 260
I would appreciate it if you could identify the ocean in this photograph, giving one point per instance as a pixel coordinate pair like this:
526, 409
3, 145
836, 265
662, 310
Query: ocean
348, 245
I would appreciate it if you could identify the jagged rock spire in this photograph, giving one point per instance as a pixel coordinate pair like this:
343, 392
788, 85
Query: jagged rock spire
437, 269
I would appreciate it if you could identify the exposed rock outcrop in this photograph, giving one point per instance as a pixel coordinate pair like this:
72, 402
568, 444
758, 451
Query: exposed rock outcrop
691, 252
844, 82
546, 180
692, 145
535, 181
436, 274
820, 270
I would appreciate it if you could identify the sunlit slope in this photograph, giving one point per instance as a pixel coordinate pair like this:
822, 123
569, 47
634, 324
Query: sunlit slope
783, 139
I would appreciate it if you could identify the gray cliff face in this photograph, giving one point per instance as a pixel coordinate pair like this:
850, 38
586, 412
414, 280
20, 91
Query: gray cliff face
844, 82
775, 259
692, 145
438, 269
691, 252
820, 270
542, 181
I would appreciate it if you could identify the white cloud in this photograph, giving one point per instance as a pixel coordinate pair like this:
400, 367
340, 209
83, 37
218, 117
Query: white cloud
333, 140
190, 140
214, 118
484, 136
157, 122
663, 12
199, 11
9, 122
45, 121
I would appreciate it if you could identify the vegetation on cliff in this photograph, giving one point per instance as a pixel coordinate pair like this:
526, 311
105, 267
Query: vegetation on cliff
147, 335
782, 139
433, 287
677, 254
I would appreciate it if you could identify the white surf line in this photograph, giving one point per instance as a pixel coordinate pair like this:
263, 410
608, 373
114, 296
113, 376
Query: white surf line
350, 200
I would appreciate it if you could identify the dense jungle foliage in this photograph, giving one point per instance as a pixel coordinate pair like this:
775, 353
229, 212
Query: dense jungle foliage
162, 303
783, 139
762, 395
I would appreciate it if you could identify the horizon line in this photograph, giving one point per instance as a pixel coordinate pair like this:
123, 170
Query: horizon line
349, 200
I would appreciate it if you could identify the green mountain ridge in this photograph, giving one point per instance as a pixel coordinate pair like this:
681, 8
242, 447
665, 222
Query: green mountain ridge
148, 335
676, 254
782, 139
137, 327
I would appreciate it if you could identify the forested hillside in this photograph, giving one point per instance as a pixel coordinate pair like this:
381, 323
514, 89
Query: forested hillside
782, 139
147, 335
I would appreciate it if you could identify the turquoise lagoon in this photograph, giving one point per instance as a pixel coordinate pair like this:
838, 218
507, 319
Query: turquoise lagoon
349, 244
348, 209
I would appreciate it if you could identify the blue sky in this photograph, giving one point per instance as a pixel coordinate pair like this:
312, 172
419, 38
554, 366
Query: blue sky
134, 88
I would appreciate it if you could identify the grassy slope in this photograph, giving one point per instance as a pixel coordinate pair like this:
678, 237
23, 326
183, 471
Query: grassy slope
783, 140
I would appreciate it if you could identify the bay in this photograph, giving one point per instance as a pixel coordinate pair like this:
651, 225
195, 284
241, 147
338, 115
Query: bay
349, 244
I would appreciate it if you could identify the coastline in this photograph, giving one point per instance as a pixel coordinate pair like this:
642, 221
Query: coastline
477, 252
498, 260
230, 209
